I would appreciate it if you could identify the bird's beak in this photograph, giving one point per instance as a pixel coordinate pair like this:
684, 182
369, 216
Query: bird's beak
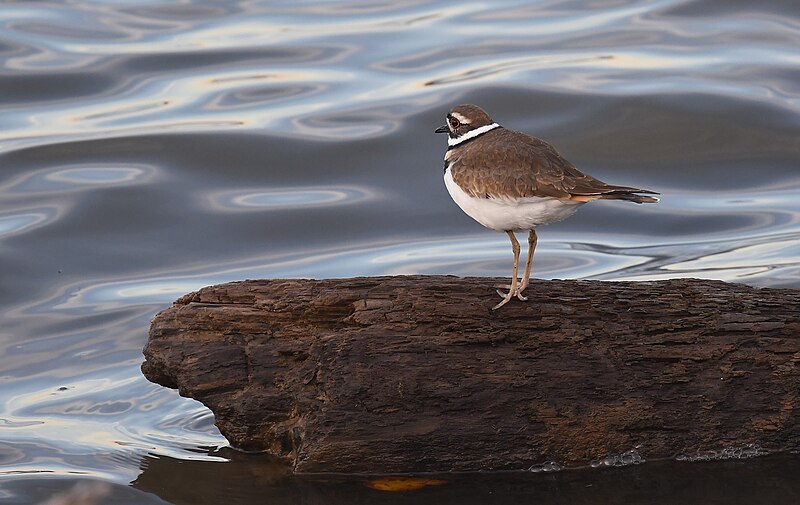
442, 129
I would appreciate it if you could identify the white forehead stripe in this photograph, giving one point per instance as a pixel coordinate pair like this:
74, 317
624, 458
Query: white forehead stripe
461, 119
471, 134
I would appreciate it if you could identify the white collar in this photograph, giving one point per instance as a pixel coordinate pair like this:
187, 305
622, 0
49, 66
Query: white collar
471, 134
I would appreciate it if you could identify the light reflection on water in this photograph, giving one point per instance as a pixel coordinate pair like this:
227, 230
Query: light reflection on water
60, 179
753, 261
149, 149
71, 423
290, 198
19, 222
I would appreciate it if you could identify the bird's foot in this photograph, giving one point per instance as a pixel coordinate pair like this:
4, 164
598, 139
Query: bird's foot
520, 290
506, 287
506, 298
509, 294
517, 293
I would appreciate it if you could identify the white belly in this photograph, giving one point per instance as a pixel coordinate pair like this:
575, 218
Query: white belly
510, 214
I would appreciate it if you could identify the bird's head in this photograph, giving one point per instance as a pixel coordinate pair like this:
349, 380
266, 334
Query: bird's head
462, 119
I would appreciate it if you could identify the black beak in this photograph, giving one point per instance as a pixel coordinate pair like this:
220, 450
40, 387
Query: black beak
442, 129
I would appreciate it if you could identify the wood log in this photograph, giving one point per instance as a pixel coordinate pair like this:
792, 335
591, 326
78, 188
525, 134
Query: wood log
418, 374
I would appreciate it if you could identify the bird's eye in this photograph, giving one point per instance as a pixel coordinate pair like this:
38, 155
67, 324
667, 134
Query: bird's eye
454, 123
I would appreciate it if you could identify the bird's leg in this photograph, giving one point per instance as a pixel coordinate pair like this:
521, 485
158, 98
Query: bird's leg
532, 238
513, 289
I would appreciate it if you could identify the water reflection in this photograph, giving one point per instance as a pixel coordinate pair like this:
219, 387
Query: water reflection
55, 489
316, 159
247, 96
482, 254
289, 198
79, 420
249, 478
347, 125
18, 223
758, 260
86, 176
58, 179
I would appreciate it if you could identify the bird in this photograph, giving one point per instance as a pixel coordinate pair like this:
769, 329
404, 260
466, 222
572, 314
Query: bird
510, 182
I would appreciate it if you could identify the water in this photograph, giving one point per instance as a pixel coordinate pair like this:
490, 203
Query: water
151, 148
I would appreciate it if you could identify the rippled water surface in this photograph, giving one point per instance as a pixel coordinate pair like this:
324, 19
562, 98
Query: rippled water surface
151, 148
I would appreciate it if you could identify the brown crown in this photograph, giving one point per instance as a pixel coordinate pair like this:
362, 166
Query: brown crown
477, 117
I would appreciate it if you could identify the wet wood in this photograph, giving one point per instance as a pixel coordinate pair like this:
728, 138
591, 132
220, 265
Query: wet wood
412, 374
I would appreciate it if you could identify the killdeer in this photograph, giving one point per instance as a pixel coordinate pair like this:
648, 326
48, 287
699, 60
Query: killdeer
512, 182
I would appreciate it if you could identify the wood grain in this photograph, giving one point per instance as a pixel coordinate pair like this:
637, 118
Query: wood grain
416, 373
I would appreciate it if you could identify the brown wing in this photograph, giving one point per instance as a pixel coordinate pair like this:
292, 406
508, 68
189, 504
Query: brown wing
509, 163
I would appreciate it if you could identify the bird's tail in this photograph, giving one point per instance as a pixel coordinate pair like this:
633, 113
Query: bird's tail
631, 195
602, 191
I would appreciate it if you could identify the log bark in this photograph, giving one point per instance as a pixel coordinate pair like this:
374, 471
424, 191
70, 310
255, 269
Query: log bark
416, 373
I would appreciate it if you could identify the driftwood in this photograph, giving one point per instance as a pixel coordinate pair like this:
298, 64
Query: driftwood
412, 374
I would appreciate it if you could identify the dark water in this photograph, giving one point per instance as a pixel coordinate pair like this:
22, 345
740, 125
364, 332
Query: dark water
151, 148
